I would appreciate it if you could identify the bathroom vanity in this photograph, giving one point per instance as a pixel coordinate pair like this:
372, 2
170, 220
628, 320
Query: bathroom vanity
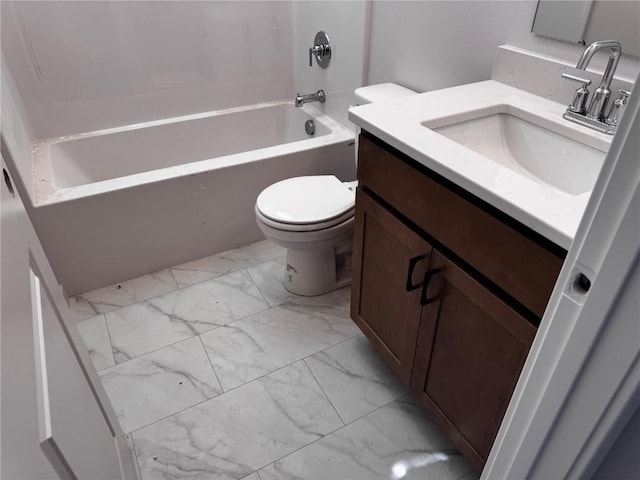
467, 202
448, 290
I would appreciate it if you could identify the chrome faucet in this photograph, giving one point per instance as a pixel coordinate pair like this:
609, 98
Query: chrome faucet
601, 95
319, 96
595, 115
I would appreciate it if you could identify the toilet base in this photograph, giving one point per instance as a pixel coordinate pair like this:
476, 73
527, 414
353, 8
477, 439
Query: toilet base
318, 261
311, 272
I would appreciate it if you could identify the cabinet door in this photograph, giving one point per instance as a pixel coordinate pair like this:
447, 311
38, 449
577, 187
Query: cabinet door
389, 262
470, 352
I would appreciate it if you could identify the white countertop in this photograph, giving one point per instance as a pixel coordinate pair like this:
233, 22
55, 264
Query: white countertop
551, 212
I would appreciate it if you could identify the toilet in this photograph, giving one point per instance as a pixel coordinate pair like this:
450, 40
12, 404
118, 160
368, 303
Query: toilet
312, 217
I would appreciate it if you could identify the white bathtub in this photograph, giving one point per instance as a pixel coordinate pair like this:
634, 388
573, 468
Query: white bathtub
119, 203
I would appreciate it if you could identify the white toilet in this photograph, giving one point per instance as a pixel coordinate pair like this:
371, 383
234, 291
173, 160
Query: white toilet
312, 217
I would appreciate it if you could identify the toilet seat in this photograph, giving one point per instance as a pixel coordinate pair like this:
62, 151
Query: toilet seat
305, 227
306, 203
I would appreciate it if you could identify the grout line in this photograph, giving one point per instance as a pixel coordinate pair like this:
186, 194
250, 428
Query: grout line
210, 399
303, 359
289, 364
173, 414
106, 325
253, 280
215, 328
290, 301
77, 319
135, 455
215, 275
157, 349
74, 314
235, 269
174, 279
242, 385
211, 363
118, 307
325, 393
259, 289
325, 436
258, 378
178, 288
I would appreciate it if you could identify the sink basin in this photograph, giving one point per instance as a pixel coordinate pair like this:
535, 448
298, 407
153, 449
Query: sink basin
528, 149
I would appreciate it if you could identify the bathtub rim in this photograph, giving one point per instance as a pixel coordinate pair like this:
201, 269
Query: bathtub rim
46, 193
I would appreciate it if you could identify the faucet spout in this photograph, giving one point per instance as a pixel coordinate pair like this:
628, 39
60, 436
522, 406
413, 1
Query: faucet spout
615, 50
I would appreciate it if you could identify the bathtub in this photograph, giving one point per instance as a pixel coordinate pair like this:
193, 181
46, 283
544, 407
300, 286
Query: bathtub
119, 203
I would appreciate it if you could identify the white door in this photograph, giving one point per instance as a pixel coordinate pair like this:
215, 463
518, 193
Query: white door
55, 419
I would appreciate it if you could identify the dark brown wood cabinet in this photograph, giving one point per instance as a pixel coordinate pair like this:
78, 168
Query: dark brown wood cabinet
385, 301
447, 290
470, 351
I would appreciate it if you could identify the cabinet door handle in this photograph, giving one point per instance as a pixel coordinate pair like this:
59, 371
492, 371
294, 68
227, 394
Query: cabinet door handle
412, 265
425, 285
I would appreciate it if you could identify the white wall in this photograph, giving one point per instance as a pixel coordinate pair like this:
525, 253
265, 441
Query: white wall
429, 45
345, 24
17, 133
83, 66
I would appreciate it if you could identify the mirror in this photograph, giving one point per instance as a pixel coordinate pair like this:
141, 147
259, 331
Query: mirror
586, 21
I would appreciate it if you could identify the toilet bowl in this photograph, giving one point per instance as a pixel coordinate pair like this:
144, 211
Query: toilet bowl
312, 217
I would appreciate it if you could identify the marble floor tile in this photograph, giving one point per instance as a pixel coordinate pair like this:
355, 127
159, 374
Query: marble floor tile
268, 276
264, 342
231, 436
355, 378
226, 262
342, 296
472, 475
160, 384
95, 336
122, 294
166, 319
396, 441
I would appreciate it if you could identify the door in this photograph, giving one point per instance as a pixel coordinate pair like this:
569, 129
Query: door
389, 263
55, 419
469, 355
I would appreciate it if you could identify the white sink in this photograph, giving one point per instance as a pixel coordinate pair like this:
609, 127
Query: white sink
526, 148
506, 146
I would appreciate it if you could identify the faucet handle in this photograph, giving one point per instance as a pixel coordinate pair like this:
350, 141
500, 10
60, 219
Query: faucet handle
579, 101
624, 94
585, 81
615, 112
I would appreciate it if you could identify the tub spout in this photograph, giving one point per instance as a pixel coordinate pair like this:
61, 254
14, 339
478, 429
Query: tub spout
319, 96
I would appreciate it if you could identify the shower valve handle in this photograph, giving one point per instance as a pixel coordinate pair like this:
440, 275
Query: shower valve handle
321, 50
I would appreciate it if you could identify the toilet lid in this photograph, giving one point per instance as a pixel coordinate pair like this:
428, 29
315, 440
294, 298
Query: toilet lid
305, 200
